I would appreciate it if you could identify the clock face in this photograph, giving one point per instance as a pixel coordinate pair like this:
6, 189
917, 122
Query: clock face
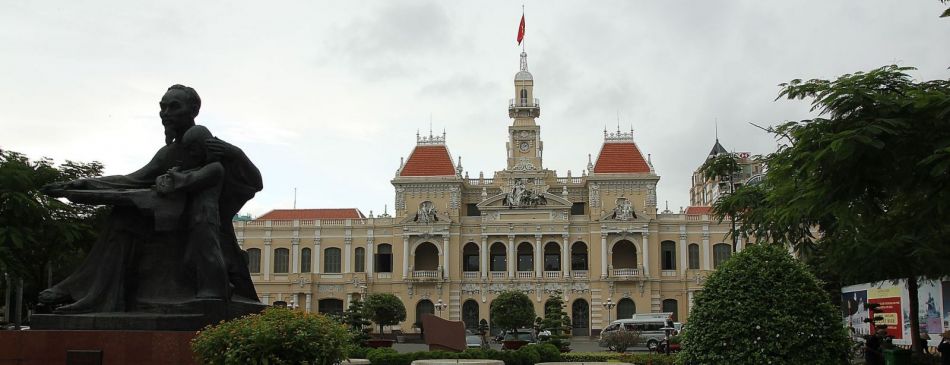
524, 146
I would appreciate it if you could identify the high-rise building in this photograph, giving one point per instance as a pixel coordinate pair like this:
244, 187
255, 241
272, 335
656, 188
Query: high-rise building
453, 243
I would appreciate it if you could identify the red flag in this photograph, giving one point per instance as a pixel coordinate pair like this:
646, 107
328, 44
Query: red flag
521, 30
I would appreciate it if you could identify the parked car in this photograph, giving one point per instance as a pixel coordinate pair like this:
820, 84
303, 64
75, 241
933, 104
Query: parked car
473, 341
650, 326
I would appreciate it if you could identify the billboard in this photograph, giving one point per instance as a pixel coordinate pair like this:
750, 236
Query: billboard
933, 298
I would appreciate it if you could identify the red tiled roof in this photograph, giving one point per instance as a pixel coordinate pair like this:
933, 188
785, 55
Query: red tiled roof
621, 158
698, 210
291, 214
429, 161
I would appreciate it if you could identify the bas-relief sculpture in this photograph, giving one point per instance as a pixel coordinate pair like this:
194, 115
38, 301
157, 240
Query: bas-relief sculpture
167, 257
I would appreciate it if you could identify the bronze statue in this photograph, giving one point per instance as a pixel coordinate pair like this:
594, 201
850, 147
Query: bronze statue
168, 243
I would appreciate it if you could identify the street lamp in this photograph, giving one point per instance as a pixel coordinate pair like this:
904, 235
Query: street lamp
609, 305
440, 306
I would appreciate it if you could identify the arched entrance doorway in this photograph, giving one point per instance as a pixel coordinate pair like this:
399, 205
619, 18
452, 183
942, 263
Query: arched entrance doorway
470, 314
626, 308
580, 318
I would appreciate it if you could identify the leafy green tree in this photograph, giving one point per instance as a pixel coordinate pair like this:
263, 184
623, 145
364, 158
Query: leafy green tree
354, 317
385, 309
42, 238
512, 310
763, 307
869, 175
557, 321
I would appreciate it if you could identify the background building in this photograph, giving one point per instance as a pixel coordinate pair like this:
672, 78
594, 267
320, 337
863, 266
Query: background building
596, 238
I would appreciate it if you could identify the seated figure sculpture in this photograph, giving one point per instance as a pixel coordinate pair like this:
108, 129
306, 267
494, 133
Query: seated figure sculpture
168, 242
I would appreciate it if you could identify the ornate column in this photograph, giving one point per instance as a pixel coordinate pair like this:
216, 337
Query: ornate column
316, 254
538, 256
405, 256
512, 257
295, 255
267, 259
646, 253
445, 256
309, 297
684, 251
707, 251
738, 243
347, 254
603, 254
565, 255
484, 256
368, 257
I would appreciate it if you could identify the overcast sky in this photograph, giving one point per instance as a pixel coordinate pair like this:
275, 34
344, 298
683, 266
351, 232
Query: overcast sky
327, 96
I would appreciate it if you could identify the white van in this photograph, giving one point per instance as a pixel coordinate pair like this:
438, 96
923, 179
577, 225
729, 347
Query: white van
650, 326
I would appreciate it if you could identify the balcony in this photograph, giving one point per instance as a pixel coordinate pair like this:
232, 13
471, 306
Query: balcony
669, 273
470, 274
384, 275
524, 103
425, 274
525, 274
499, 274
552, 274
579, 274
627, 274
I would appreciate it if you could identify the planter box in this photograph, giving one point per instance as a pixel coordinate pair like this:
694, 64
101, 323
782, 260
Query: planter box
513, 344
378, 343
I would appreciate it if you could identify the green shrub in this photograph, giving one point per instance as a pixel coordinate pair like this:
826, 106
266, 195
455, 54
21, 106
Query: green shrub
512, 310
548, 352
359, 352
760, 307
590, 356
385, 309
621, 340
528, 355
275, 336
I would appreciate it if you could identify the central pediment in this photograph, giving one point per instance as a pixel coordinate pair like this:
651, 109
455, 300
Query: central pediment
544, 201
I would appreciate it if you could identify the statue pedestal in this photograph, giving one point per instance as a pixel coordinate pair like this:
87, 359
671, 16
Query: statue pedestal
185, 316
86, 347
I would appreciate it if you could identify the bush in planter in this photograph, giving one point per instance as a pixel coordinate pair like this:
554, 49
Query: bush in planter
762, 306
275, 336
621, 340
557, 322
355, 318
512, 310
384, 309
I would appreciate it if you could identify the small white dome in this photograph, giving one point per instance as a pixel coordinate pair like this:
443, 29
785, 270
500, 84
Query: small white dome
524, 76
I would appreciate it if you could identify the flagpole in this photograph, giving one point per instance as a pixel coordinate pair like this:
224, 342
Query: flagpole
526, 30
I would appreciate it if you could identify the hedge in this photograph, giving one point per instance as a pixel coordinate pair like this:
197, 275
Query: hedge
636, 359
528, 355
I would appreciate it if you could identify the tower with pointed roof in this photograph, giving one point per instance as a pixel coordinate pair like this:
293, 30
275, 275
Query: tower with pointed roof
524, 135
704, 192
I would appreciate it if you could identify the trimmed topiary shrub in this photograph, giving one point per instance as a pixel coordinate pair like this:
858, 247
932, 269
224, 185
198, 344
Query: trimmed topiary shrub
384, 309
275, 336
763, 307
513, 310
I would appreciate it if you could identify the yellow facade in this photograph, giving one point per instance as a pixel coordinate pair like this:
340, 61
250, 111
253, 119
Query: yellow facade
461, 241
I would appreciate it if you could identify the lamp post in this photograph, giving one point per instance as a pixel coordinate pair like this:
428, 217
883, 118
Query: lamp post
609, 305
439, 306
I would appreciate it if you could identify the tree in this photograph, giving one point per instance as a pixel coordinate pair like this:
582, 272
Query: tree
868, 174
354, 317
512, 310
763, 307
385, 309
557, 321
40, 236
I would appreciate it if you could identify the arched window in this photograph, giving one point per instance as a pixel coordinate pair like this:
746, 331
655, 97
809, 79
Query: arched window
626, 308
470, 314
281, 261
671, 306
426, 257
524, 97
624, 255
668, 255
693, 256
721, 253
254, 260
332, 261
579, 256
552, 257
580, 318
525, 257
359, 257
470, 257
330, 306
384, 258
424, 306
305, 260
498, 258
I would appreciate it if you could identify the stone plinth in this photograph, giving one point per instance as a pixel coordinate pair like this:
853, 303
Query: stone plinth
35, 347
355, 362
187, 316
458, 361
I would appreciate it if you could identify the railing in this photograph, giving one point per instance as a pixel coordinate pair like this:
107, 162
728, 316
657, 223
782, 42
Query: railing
470, 274
570, 180
580, 274
668, 273
624, 272
525, 274
384, 275
425, 274
481, 181
317, 222
523, 103
499, 274
552, 274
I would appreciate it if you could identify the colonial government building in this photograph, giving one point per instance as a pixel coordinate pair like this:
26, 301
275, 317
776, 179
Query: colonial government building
454, 243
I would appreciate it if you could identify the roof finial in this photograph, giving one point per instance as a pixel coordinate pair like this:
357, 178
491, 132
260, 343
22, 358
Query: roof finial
717, 128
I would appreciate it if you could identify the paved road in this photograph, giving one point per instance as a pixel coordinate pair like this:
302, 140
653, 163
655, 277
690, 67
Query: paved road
578, 344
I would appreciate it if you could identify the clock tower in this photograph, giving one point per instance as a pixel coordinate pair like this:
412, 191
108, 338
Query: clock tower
524, 135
